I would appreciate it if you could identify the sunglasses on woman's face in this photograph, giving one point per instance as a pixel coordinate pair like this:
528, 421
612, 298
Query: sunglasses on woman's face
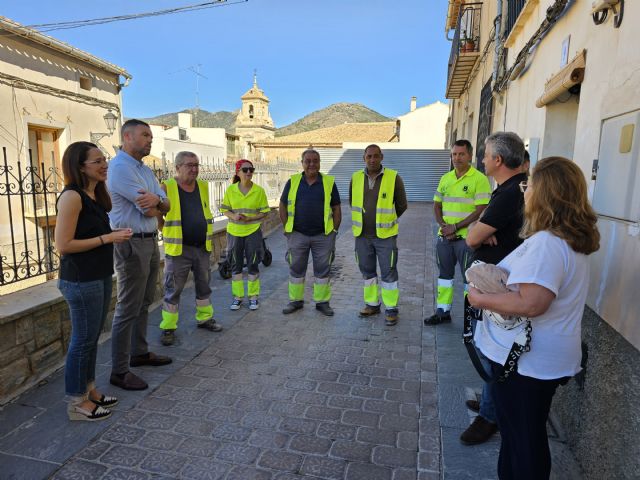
248, 169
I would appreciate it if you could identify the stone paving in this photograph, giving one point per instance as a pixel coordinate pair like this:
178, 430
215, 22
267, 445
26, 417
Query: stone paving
277, 397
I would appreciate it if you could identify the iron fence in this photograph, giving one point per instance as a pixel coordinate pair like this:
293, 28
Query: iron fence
28, 195
27, 202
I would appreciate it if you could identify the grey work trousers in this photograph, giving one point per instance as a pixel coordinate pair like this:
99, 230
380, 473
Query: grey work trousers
384, 251
450, 252
322, 248
137, 264
249, 249
176, 272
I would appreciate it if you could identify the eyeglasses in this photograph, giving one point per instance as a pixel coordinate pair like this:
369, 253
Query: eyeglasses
248, 169
523, 186
191, 165
102, 161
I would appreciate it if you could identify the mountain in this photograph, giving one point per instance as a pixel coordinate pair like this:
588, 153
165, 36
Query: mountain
222, 119
332, 115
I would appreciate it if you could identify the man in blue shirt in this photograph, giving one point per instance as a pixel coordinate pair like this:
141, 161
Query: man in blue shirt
310, 213
137, 200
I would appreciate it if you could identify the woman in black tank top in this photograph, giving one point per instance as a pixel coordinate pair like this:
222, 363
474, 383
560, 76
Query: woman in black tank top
84, 239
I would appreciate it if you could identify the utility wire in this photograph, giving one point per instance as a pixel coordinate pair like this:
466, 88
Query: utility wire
48, 27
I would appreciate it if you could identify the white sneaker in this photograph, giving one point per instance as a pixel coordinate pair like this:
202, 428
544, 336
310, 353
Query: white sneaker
253, 304
236, 304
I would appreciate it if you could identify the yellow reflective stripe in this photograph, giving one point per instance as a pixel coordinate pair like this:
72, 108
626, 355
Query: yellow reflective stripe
356, 209
389, 285
175, 241
357, 224
482, 195
173, 223
385, 210
455, 214
321, 281
371, 281
445, 283
458, 200
225, 207
296, 280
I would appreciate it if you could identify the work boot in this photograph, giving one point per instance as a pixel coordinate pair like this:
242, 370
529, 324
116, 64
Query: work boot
325, 309
369, 310
168, 337
438, 318
210, 325
478, 432
292, 307
390, 317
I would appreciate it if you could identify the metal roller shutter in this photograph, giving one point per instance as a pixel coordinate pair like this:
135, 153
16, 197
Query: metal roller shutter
420, 169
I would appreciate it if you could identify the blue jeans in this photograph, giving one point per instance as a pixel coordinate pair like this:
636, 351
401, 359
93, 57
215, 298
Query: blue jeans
88, 306
487, 405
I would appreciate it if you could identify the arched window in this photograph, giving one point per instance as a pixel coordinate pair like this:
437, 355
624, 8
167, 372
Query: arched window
250, 111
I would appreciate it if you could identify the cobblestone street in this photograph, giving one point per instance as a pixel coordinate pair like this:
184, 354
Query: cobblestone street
274, 396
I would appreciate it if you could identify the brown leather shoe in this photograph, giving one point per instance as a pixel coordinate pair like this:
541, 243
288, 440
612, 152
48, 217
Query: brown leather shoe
473, 405
478, 432
151, 359
369, 310
128, 381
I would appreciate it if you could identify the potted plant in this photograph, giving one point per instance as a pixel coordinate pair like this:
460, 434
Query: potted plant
468, 44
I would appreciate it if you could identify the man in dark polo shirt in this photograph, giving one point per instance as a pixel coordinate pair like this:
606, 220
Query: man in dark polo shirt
493, 237
311, 215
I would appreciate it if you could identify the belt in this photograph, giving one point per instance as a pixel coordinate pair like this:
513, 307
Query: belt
145, 235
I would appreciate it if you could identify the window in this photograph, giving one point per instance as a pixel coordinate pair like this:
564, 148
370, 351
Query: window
182, 134
250, 111
86, 83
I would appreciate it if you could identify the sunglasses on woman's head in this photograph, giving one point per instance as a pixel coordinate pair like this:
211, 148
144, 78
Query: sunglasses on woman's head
248, 169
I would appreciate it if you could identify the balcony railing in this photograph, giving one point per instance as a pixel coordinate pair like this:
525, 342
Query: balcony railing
465, 49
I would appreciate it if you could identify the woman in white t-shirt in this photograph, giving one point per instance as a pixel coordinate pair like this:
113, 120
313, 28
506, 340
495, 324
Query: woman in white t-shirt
549, 278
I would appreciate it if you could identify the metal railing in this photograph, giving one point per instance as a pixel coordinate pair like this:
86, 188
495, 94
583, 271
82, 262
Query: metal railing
28, 195
466, 38
27, 201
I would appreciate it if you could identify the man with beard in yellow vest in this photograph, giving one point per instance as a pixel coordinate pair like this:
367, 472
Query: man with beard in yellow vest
310, 213
187, 234
378, 199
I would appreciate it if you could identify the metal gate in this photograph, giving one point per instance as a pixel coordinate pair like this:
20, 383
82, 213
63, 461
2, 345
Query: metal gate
420, 169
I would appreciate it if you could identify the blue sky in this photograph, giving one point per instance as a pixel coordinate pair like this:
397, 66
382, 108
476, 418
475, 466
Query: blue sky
308, 53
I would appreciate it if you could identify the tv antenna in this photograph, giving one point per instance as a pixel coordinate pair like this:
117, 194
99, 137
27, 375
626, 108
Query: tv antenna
195, 69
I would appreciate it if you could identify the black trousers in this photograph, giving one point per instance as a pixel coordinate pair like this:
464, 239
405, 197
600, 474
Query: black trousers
522, 408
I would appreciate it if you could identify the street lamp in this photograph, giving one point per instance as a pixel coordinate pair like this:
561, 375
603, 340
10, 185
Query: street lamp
110, 120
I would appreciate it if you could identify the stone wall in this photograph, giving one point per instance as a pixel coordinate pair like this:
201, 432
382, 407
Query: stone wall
601, 422
35, 328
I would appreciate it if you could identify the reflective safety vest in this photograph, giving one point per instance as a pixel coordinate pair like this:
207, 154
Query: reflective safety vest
461, 196
250, 205
386, 216
327, 184
172, 230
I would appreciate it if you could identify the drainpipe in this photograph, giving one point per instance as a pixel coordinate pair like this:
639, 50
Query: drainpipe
498, 38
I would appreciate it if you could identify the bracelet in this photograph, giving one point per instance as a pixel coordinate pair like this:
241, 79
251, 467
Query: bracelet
101, 240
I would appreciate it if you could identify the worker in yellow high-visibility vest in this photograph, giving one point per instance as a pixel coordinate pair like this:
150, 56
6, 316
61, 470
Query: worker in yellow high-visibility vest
187, 232
245, 204
462, 195
378, 199
310, 213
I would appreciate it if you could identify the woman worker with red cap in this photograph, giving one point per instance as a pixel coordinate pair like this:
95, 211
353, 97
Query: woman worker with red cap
245, 204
